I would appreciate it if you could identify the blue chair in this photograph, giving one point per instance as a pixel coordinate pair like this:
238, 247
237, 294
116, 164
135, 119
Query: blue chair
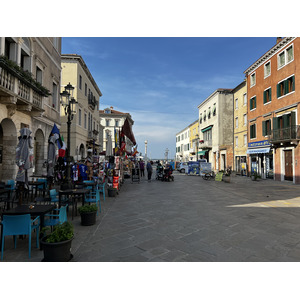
11, 184
54, 196
94, 197
19, 225
41, 187
54, 219
86, 186
101, 188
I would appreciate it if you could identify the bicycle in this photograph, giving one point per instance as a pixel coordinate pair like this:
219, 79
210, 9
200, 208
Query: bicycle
208, 175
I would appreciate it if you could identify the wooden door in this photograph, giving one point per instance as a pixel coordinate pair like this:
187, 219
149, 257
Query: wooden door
288, 160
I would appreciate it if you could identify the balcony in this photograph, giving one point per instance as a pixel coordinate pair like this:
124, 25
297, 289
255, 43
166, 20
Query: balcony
92, 101
285, 135
205, 144
18, 90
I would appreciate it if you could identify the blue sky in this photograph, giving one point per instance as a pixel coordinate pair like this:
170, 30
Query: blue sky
161, 81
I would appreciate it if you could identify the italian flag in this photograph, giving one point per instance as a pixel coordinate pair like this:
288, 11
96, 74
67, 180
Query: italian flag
62, 150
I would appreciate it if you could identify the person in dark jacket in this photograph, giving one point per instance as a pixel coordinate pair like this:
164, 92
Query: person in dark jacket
149, 169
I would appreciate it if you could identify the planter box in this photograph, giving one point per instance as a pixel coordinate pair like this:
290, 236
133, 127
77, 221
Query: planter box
56, 252
88, 219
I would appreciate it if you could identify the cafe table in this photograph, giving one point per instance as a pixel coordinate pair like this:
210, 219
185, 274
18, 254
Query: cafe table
34, 210
35, 185
72, 195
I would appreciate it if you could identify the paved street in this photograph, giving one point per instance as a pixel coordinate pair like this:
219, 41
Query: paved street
189, 220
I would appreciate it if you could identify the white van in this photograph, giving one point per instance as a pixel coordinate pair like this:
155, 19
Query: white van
183, 167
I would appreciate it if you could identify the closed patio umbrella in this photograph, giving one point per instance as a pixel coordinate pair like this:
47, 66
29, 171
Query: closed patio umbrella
24, 156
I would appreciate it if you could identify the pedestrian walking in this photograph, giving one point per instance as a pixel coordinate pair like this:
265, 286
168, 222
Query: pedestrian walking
149, 169
142, 167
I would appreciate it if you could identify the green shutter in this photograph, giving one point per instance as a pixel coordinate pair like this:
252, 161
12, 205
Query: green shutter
275, 123
265, 97
278, 90
255, 102
285, 121
270, 94
285, 87
293, 118
293, 86
251, 104
264, 130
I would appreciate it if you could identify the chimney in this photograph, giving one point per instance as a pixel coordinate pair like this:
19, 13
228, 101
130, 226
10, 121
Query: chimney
278, 40
111, 107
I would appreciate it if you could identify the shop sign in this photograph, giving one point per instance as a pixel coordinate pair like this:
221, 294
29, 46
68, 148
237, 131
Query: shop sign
259, 144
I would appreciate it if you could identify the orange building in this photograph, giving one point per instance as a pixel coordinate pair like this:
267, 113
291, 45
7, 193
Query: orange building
273, 89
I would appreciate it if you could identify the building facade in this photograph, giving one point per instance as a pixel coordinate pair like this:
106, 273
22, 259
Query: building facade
273, 109
30, 75
240, 139
85, 127
111, 122
183, 145
194, 141
216, 129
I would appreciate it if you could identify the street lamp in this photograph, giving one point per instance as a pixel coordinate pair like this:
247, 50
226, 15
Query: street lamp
197, 145
68, 103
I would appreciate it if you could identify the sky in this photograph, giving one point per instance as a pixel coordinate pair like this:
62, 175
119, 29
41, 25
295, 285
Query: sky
160, 81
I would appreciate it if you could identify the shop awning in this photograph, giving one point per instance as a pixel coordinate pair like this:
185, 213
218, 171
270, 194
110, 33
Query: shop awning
202, 152
207, 128
258, 150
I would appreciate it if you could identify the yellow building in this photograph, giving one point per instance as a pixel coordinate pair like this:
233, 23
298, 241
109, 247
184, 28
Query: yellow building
194, 140
240, 128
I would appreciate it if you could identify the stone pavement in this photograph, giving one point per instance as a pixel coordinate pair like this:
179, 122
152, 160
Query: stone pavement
188, 220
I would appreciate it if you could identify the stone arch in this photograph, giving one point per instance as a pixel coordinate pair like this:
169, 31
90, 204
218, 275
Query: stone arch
8, 144
39, 151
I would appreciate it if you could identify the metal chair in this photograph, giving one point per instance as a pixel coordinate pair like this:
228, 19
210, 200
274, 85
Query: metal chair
101, 188
54, 219
19, 225
94, 197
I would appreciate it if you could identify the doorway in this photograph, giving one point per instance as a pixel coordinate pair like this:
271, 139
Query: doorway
288, 161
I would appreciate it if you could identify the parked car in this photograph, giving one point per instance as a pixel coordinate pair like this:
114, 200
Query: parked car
183, 167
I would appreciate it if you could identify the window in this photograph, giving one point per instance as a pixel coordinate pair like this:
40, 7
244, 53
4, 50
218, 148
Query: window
266, 127
245, 99
204, 115
236, 141
85, 89
245, 119
179, 138
54, 95
117, 123
236, 103
267, 96
85, 119
253, 103
107, 111
214, 109
286, 86
285, 57
245, 139
39, 75
107, 123
236, 122
253, 131
208, 113
80, 82
79, 117
252, 79
267, 69
200, 119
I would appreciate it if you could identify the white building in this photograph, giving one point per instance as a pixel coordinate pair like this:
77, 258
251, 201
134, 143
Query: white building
111, 122
183, 145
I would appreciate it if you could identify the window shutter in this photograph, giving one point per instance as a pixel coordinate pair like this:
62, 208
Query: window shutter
278, 90
251, 104
285, 87
255, 102
270, 94
265, 97
293, 84
275, 123
293, 118
285, 121
264, 128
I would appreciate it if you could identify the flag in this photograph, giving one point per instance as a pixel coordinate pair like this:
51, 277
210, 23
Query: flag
135, 152
54, 131
122, 143
62, 150
116, 142
126, 130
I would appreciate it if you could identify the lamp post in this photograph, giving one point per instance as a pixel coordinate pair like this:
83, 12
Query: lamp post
197, 146
68, 103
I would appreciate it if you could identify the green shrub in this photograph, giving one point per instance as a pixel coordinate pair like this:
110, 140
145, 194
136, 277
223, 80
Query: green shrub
88, 208
61, 232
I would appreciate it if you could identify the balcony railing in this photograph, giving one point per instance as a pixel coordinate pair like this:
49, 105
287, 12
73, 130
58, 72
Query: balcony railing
285, 134
27, 92
92, 101
206, 144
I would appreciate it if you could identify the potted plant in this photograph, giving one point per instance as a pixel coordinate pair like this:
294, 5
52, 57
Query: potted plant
254, 176
88, 214
57, 245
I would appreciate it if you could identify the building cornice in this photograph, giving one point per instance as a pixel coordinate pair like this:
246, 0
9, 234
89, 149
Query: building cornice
75, 57
274, 50
218, 91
